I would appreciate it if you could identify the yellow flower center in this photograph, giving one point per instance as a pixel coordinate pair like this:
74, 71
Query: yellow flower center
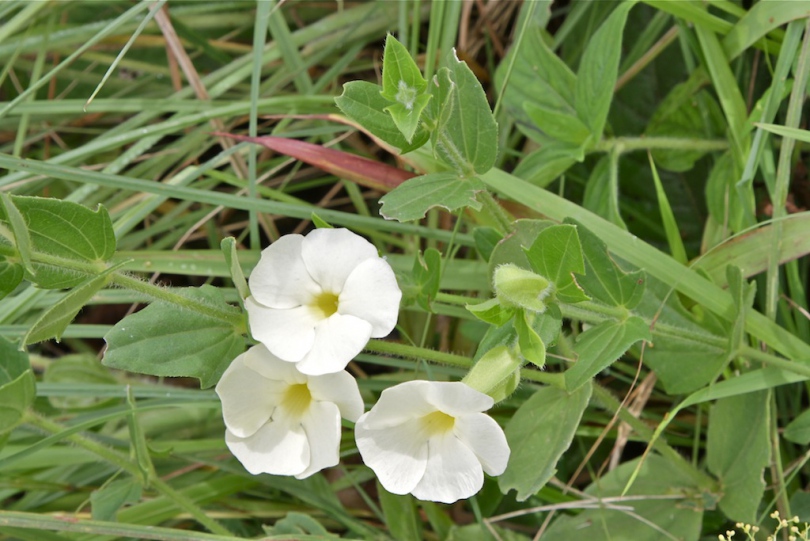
437, 423
326, 303
297, 399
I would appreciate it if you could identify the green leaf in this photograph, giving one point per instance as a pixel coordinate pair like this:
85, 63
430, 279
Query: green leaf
492, 312
361, 101
722, 199
602, 191
486, 238
784, 131
604, 280
798, 430
406, 115
671, 228
511, 248
11, 274
298, 524
82, 368
164, 339
17, 390
492, 369
22, 240
738, 450
106, 501
413, 198
546, 164
651, 517
400, 514
402, 81
559, 125
53, 322
66, 230
319, 222
427, 272
483, 532
598, 71
228, 247
598, 347
743, 294
530, 343
556, 254
538, 434
466, 134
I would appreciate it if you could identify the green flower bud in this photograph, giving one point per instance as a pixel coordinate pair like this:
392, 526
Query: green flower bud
521, 288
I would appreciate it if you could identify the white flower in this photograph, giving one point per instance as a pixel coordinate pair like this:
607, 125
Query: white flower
316, 300
431, 439
280, 421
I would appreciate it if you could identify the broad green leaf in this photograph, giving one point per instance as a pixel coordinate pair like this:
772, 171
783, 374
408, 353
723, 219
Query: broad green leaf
16, 222
106, 501
78, 369
598, 71
798, 430
559, 125
491, 311
604, 280
466, 134
53, 322
653, 519
530, 344
738, 450
546, 164
598, 347
361, 101
166, 340
66, 230
17, 389
412, 199
556, 254
400, 513
11, 274
538, 434
403, 84
228, 247
511, 249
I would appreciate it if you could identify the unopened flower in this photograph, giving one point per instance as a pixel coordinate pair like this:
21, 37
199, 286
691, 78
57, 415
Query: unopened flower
430, 439
316, 300
281, 421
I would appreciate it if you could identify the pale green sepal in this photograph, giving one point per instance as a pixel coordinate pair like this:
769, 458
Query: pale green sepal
530, 343
492, 312
494, 371
521, 288
228, 247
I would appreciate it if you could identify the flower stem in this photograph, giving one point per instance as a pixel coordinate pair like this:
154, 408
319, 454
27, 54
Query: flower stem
123, 462
630, 144
503, 221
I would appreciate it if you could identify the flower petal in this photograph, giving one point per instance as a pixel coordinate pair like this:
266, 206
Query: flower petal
276, 448
456, 398
452, 473
280, 279
398, 455
330, 255
288, 334
259, 359
341, 390
321, 424
485, 438
338, 339
400, 403
372, 294
248, 399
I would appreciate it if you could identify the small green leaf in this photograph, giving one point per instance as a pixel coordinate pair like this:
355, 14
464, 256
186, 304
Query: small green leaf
486, 238
602, 190
53, 322
530, 343
556, 254
228, 247
671, 228
598, 347
17, 390
798, 430
743, 294
361, 101
427, 272
598, 71
492, 369
166, 340
738, 450
106, 501
298, 524
546, 164
82, 368
604, 280
466, 134
412, 199
11, 274
558, 124
401, 79
538, 434
400, 514
406, 115
19, 228
492, 312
